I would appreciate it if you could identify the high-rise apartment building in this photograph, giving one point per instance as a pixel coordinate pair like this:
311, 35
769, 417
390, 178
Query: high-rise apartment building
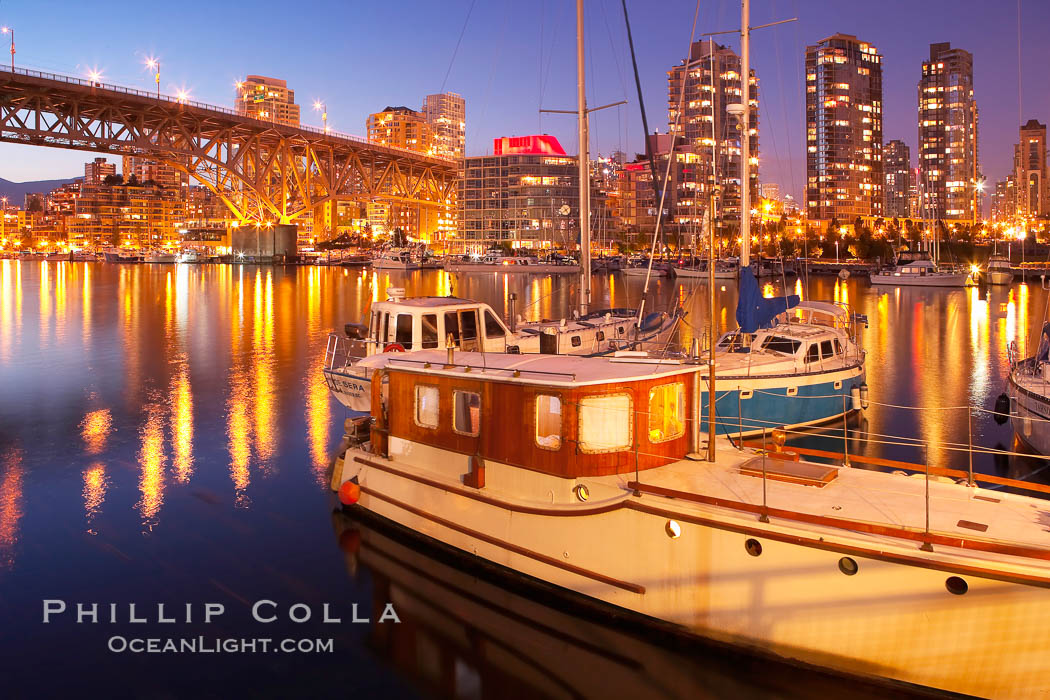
268, 99
948, 165
1030, 162
844, 177
770, 191
711, 81
401, 127
526, 195
1004, 200
97, 170
446, 114
896, 159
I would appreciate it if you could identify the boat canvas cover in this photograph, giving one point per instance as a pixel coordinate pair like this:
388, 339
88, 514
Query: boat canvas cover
753, 311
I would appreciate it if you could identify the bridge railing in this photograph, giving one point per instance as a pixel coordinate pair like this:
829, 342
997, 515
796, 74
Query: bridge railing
200, 105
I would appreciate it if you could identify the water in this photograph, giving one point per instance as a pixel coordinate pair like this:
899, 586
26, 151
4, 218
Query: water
165, 433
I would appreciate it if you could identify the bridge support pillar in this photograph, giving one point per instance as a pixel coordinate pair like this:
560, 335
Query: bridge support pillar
275, 243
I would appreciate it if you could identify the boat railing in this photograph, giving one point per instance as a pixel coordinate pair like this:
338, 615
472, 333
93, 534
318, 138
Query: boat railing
774, 455
342, 352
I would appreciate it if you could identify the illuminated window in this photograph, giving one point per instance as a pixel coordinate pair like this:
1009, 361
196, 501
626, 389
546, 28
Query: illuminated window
466, 419
426, 406
605, 423
666, 412
548, 421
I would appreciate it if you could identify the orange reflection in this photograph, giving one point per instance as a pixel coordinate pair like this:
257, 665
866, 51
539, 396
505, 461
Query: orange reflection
181, 398
798, 291
8, 312
95, 429
95, 484
151, 464
10, 507
262, 357
767, 292
61, 270
45, 302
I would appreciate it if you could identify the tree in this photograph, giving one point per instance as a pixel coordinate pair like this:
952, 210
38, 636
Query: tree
133, 181
113, 180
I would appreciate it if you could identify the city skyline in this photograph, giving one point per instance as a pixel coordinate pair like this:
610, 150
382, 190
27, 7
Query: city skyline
497, 68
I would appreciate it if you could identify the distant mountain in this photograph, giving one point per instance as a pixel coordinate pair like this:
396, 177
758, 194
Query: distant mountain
16, 191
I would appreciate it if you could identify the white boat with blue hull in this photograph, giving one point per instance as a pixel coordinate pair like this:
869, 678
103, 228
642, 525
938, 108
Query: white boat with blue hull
1029, 395
790, 364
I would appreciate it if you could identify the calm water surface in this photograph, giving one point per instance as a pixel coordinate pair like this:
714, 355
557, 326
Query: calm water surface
165, 432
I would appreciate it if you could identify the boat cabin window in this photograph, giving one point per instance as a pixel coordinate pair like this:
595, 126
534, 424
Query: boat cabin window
730, 341
493, 328
827, 349
776, 343
813, 353
404, 331
548, 421
466, 417
426, 413
378, 330
666, 412
605, 423
838, 347
430, 330
463, 326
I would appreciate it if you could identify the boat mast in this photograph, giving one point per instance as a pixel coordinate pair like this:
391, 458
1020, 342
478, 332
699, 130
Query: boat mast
585, 169
745, 145
711, 397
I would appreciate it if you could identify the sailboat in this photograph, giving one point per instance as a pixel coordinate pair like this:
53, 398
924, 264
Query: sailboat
402, 324
581, 475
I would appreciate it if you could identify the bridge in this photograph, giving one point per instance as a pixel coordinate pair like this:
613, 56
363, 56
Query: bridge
266, 173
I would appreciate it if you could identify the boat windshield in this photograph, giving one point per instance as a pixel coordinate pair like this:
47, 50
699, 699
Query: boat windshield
776, 343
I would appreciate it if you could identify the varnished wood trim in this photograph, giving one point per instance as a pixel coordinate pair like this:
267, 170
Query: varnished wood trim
720, 525
509, 546
851, 525
478, 496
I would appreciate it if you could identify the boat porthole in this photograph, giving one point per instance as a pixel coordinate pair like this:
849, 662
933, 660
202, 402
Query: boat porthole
848, 566
753, 547
792, 390
673, 529
582, 492
838, 385
956, 585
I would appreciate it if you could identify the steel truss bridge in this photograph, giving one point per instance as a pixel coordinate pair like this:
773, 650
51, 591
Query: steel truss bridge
264, 172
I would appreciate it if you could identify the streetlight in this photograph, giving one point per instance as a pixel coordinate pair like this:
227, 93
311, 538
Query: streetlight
323, 109
95, 77
154, 64
9, 30
182, 95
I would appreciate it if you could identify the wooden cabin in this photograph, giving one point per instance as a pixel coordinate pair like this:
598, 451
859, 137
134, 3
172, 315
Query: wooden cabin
568, 417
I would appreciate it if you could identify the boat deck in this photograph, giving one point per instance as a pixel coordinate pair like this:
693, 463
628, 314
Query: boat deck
1004, 529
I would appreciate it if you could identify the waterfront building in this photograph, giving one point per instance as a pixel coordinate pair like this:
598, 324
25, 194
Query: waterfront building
125, 215
525, 195
446, 114
844, 165
711, 81
897, 166
268, 99
97, 170
1033, 195
948, 134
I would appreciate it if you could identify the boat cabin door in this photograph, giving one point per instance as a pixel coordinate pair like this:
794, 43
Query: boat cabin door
463, 327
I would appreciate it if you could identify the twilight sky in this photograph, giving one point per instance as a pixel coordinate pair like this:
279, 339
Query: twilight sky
516, 56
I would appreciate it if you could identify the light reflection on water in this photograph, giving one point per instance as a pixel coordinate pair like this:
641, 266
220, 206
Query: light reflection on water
182, 409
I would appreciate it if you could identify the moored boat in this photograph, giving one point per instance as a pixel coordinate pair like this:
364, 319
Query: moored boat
159, 256
396, 259
497, 262
918, 270
998, 270
579, 472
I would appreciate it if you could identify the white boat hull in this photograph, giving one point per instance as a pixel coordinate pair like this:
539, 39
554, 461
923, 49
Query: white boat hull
1030, 411
895, 619
999, 277
394, 265
540, 269
960, 279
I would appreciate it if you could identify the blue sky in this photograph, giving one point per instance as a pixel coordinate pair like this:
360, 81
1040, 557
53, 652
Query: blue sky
518, 56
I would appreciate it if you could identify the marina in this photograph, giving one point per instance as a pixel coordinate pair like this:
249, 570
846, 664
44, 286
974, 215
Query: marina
525, 351
170, 438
